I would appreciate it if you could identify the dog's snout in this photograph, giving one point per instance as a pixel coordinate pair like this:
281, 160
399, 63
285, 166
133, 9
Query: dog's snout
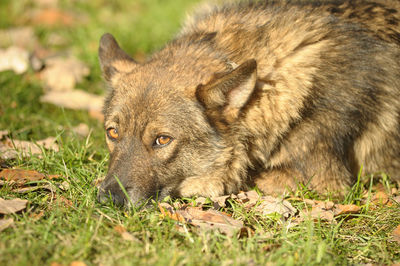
111, 193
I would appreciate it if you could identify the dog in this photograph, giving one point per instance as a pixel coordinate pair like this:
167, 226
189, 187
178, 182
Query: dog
266, 93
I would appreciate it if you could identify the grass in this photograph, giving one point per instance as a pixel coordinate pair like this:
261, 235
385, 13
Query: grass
72, 226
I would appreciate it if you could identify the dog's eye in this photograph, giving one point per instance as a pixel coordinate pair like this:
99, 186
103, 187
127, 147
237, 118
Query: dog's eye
112, 133
162, 141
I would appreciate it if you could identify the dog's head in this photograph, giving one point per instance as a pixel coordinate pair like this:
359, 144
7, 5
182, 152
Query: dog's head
168, 135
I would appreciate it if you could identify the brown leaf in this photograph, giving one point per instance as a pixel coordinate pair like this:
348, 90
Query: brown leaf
396, 234
125, 234
270, 205
12, 206
75, 99
204, 220
81, 129
220, 202
96, 114
15, 59
327, 210
37, 216
52, 17
346, 209
77, 263
5, 223
211, 220
9, 149
380, 198
49, 187
396, 199
23, 37
62, 74
3, 133
21, 176
168, 211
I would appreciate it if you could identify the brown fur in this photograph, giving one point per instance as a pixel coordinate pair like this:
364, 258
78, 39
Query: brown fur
273, 93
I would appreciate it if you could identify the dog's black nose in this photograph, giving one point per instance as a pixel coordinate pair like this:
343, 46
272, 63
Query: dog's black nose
111, 193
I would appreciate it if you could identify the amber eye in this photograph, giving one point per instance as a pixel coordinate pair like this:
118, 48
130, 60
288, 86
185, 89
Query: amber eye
112, 133
162, 141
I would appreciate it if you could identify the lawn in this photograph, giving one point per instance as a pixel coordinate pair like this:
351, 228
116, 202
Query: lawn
65, 225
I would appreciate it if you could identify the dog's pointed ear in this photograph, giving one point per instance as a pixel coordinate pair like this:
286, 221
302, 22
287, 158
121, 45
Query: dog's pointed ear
113, 60
226, 94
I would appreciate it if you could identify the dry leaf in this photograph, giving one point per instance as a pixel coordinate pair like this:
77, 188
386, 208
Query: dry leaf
96, 114
37, 216
327, 210
220, 202
396, 234
270, 205
52, 17
211, 220
49, 187
14, 58
204, 220
5, 223
3, 133
380, 198
168, 211
23, 37
396, 199
125, 234
81, 129
22, 176
200, 201
9, 149
62, 74
75, 99
77, 263
346, 209
12, 206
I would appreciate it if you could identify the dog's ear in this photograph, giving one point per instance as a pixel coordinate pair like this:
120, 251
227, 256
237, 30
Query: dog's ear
226, 94
113, 60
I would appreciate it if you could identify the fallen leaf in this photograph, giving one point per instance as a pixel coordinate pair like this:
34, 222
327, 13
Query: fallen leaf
12, 206
340, 209
200, 201
124, 233
46, 3
77, 263
62, 74
396, 234
204, 220
327, 210
22, 37
81, 129
211, 220
250, 197
3, 133
52, 17
96, 114
75, 99
168, 211
269, 204
14, 58
10, 149
5, 223
22, 176
49, 187
37, 216
220, 202
396, 199
380, 198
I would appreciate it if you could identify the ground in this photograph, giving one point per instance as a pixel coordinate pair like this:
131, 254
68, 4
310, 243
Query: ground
65, 225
